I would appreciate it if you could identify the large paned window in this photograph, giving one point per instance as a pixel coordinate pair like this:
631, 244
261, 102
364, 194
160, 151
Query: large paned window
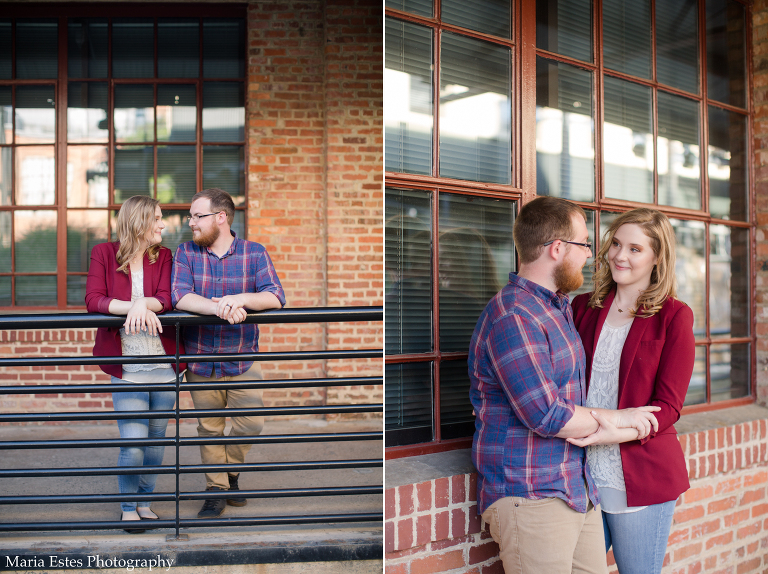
98, 108
614, 105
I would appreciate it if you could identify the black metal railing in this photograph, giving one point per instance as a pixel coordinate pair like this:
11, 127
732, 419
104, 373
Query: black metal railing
181, 319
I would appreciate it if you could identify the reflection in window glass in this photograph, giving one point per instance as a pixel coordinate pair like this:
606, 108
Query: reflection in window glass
628, 141
87, 47
5, 175
133, 48
5, 242
134, 113
35, 115
177, 229
728, 165
134, 172
690, 270
35, 240
87, 176
475, 259
677, 47
408, 403
36, 290
178, 48
587, 270
5, 291
678, 152
729, 279
697, 389
408, 98
87, 112
223, 112
475, 110
37, 43
85, 229
224, 167
407, 262
627, 36
729, 367
456, 417
35, 175
176, 113
726, 52
488, 16
565, 149
223, 48
565, 27
76, 289
6, 52
6, 115
176, 174
420, 7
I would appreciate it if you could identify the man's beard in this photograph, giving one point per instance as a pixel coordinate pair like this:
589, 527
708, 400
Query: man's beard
567, 277
206, 239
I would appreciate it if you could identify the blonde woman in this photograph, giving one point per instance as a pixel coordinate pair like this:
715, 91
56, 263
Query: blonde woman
132, 277
638, 339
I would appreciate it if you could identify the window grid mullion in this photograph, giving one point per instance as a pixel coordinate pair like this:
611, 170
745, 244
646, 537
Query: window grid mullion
60, 161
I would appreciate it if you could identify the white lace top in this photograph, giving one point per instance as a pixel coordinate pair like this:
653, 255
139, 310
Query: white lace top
143, 343
605, 459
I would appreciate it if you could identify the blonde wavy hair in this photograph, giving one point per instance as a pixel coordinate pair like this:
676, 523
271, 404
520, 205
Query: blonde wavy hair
663, 285
135, 219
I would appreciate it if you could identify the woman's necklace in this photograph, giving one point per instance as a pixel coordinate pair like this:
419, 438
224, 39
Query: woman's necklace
617, 306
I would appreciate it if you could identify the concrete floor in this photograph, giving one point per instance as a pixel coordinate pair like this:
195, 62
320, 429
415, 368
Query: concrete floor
339, 546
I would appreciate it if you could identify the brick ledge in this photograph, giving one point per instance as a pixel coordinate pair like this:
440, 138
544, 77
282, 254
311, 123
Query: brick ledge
423, 468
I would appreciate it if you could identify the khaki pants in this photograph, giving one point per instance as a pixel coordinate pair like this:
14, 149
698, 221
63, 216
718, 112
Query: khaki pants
547, 536
214, 426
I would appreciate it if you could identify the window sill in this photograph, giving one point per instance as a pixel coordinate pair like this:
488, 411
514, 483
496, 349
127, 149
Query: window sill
417, 469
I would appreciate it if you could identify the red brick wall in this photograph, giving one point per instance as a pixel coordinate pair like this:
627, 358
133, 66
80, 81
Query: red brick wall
760, 132
355, 162
720, 524
286, 161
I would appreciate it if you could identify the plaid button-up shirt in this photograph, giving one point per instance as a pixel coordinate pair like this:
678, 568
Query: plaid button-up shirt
526, 366
245, 268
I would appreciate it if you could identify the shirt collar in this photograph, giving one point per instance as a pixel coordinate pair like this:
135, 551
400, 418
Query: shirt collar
558, 299
232, 248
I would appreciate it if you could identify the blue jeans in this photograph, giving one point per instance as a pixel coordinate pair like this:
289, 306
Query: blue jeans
139, 400
639, 538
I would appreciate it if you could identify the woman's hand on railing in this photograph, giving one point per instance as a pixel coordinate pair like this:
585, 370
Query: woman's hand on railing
141, 318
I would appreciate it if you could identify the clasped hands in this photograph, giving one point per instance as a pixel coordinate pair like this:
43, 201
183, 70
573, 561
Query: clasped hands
231, 308
618, 426
140, 318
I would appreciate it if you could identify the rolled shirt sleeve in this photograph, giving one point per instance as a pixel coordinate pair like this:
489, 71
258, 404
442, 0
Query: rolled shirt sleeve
266, 278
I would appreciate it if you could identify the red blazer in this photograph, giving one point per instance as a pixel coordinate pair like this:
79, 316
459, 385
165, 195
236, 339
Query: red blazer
106, 283
655, 369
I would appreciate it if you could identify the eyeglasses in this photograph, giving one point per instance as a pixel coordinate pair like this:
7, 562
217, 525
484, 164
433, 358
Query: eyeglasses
196, 217
585, 245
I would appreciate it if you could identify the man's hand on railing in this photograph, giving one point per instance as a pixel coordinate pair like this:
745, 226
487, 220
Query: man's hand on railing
230, 308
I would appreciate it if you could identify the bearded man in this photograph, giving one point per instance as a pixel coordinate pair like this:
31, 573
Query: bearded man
217, 273
527, 369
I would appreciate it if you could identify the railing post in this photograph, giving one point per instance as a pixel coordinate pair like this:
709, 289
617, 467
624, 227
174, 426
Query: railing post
177, 445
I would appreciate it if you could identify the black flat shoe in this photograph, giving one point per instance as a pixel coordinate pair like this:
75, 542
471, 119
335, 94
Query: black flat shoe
132, 516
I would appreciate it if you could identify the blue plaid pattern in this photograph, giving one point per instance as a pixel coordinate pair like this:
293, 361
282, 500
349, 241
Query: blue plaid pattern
245, 268
527, 369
